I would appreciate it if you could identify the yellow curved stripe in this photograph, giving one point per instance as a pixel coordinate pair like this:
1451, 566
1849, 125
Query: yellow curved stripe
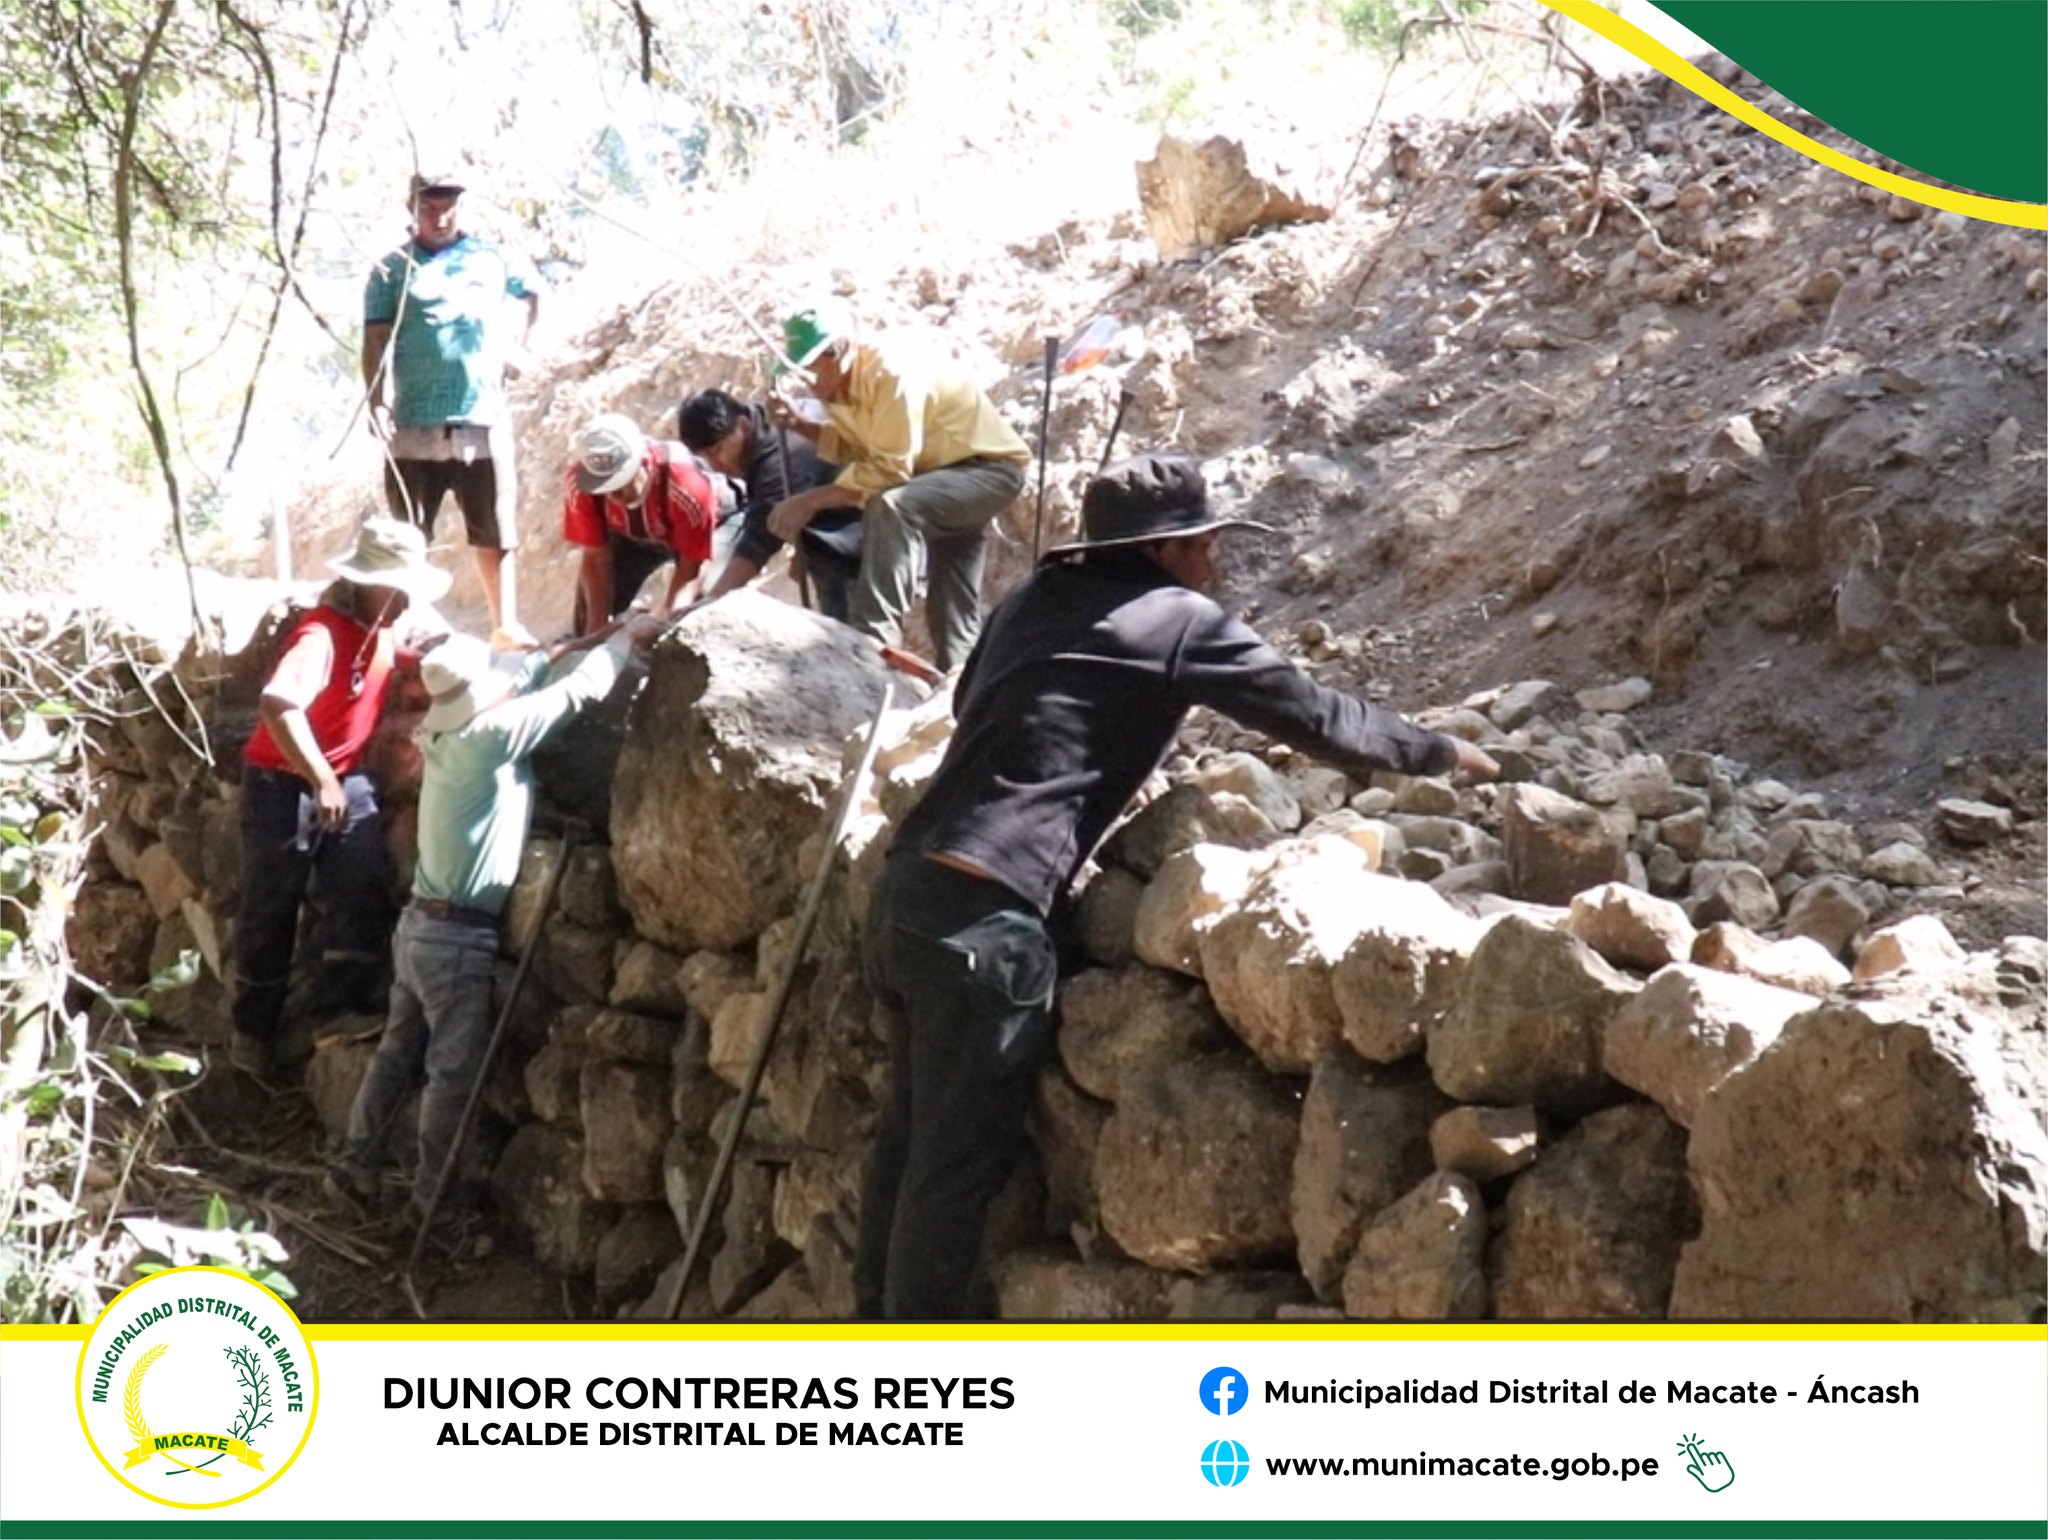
1623, 34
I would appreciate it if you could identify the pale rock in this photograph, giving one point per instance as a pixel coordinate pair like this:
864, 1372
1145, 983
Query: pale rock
333, 1076
1200, 195
626, 1126
736, 1033
647, 980
1191, 893
1731, 890
1460, 843
1400, 972
1830, 911
1631, 929
1885, 1161
1247, 1296
1800, 963
1811, 847
1374, 801
1919, 943
1181, 818
1528, 1022
1557, 846
1113, 1019
1107, 916
1691, 1028
750, 1254
1258, 783
554, 1076
1642, 784
1965, 821
1422, 1258
1625, 695
1902, 866
1592, 1231
1045, 1285
1484, 1143
1364, 1142
1725, 946
730, 763
1195, 1165
1319, 789
166, 883
708, 979
1474, 877
1738, 436
1518, 703
1268, 961
1685, 832
1426, 794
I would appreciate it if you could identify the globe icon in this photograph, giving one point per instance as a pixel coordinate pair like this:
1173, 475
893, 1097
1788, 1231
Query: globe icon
1225, 1463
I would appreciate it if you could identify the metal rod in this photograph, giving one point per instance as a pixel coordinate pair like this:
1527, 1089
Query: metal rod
1052, 355
476, 1090
807, 919
1123, 404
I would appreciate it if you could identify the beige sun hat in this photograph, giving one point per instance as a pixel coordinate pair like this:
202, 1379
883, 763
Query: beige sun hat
389, 553
465, 677
608, 451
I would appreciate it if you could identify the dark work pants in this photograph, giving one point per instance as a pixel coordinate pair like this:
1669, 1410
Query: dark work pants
964, 970
284, 855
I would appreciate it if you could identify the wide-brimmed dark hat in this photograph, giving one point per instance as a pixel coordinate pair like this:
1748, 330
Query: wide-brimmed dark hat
1148, 497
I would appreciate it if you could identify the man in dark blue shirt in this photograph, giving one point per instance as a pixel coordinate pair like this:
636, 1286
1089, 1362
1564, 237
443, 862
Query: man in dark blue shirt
1069, 701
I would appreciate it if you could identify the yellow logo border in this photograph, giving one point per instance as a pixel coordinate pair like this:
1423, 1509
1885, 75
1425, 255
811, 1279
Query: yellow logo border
312, 1403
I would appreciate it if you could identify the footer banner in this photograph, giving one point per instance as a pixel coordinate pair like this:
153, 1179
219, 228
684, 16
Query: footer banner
205, 1410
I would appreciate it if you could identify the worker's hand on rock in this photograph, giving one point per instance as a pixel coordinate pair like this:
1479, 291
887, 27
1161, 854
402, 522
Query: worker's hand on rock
1475, 762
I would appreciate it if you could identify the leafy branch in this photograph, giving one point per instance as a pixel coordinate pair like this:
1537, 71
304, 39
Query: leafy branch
255, 1409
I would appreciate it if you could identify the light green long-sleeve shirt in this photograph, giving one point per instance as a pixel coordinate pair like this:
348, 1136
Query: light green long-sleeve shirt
476, 797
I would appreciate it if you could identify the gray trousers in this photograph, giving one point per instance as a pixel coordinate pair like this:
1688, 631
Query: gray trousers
439, 1025
942, 517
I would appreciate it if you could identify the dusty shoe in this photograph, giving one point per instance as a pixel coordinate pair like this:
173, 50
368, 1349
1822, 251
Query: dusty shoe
251, 1055
349, 1193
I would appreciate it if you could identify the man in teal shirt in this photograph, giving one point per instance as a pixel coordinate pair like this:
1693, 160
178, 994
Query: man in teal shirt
489, 713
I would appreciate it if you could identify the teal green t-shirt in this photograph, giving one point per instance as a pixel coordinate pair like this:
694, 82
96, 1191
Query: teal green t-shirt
451, 312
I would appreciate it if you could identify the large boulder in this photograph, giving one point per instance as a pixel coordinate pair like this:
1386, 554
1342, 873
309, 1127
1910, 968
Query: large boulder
1690, 1029
1592, 1230
1558, 846
1630, 928
1113, 1018
1400, 973
1529, 1020
538, 1185
1178, 819
1268, 963
1364, 1142
1194, 1166
626, 1124
733, 758
1885, 1159
1199, 195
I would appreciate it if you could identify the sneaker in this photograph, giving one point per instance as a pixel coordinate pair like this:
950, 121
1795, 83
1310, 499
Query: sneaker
349, 1193
251, 1055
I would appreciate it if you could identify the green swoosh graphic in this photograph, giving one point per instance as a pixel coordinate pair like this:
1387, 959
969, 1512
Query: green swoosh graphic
1956, 89
1596, 18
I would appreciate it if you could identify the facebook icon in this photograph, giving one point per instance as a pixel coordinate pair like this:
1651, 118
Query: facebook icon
1222, 1392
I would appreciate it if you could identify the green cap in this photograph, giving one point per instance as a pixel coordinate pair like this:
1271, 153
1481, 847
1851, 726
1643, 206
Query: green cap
809, 331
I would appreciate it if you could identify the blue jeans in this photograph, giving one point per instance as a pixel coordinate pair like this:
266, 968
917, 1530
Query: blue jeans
438, 1027
964, 971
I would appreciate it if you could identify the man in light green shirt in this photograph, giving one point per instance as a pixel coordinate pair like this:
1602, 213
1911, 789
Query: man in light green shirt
928, 460
489, 713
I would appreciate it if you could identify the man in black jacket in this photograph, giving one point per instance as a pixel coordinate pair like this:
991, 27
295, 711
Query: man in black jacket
739, 441
1070, 700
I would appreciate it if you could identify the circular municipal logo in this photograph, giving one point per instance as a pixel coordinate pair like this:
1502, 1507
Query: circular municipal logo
197, 1387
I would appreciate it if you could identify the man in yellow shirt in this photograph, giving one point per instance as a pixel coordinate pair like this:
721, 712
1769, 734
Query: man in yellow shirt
928, 461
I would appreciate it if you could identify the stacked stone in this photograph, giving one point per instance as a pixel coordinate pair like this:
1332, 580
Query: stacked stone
1622, 1037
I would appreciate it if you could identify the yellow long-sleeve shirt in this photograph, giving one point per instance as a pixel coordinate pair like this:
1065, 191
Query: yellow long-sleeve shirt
908, 409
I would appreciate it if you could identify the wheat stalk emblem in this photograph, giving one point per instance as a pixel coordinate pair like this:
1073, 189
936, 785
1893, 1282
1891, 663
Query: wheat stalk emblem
131, 1404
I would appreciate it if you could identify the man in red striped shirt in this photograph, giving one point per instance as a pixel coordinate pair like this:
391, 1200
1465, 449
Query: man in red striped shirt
631, 504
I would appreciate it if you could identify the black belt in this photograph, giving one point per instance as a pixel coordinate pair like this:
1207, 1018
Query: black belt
461, 914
